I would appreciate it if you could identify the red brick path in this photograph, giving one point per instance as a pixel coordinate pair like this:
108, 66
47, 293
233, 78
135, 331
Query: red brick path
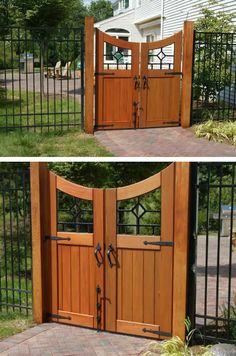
57, 339
161, 142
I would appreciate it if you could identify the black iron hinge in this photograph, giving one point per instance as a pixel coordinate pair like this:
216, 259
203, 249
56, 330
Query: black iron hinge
57, 238
57, 316
104, 73
159, 243
174, 73
105, 125
157, 332
170, 122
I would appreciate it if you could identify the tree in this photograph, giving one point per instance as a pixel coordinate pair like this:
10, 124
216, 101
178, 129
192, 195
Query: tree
41, 18
100, 9
214, 53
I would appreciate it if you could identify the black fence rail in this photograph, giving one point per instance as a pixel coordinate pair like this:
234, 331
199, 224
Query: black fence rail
214, 77
15, 241
212, 300
41, 79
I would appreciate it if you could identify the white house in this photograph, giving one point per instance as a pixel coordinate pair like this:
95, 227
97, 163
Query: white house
151, 20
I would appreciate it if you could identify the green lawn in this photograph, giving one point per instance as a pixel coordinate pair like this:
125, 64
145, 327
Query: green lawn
65, 143
61, 144
13, 323
30, 109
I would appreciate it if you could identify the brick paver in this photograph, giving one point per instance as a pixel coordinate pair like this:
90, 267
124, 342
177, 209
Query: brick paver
161, 142
212, 274
57, 339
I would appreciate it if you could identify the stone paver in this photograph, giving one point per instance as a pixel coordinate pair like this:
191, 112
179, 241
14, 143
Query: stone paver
161, 142
57, 339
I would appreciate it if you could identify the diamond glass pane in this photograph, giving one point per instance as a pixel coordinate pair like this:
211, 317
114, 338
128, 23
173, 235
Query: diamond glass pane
161, 58
117, 58
140, 215
73, 214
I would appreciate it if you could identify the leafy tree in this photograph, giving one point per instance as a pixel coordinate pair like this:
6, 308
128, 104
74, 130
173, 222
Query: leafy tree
100, 9
213, 50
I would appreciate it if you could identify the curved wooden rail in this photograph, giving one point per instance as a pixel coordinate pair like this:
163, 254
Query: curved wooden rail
140, 188
76, 190
115, 41
166, 41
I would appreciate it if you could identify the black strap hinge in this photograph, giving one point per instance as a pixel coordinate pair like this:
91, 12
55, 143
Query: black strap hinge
105, 125
57, 316
159, 243
174, 73
157, 332
57, 238
170, 122
104, 73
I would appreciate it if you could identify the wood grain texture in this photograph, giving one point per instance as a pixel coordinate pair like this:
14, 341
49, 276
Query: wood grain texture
73, 189
137, 242
82, 239
181, 239
89, 74
187, 73
110, 273
110, 113
140, 188
36, 242
163, 91
134, 328
99, 237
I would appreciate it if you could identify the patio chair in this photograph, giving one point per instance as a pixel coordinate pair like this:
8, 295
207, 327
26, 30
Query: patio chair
66, 72
53, 72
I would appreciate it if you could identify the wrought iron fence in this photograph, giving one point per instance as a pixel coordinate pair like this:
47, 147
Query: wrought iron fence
41, 78
15, 241
212, 289
214, 77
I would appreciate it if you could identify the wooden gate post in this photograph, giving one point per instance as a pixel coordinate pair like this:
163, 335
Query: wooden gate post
89, 74
181, 240
40, 218
187, 73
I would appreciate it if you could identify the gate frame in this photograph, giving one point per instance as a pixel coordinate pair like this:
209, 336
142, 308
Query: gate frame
187, 70
40, 208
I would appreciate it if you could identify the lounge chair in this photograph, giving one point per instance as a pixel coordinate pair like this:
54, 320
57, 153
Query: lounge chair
53, 72
65, 72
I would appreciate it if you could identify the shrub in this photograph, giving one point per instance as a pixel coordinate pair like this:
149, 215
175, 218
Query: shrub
217, 131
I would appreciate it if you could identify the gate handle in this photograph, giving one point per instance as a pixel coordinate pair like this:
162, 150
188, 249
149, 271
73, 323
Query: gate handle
96, 251
109, 251
145, 82
136, 83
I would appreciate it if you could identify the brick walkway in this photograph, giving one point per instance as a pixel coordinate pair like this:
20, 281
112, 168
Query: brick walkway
161, 142
57, 339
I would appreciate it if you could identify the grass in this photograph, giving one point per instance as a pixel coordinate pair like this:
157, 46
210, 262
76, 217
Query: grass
29, 109
58, 144
13, 323
67, 143
218, 131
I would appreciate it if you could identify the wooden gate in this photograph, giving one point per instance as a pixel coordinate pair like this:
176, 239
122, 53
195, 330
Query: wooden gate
134, 95
114, 259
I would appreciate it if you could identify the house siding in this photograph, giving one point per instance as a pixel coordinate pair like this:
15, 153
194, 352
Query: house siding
176, 12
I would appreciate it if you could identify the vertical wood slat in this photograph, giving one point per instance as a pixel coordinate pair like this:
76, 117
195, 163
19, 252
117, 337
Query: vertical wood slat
163, 309
75, 280
187, 73
66, 274
148, 287
181, 239
138, 286
110, 273
89, 74
127, 285
99, 232
52, 245
37, 236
